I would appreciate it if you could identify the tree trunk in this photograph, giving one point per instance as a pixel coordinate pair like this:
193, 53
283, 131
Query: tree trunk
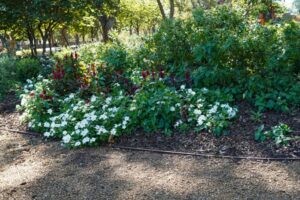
44, 44
172, 9
63, 33
77, 39
50, 44
137, 28
106, 25
32, 40
161, 8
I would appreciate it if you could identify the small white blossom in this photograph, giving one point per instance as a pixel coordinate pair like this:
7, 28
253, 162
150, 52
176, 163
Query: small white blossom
113, 131
66, 139
93, 98
84, 132
201, 120
85, 140
77, 144
197, 112
47, 125
47, 134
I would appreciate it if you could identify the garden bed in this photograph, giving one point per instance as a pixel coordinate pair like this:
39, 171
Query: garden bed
239, 142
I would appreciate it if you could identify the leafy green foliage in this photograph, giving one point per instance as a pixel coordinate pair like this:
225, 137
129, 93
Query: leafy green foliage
278, 134
27, 68
7, 74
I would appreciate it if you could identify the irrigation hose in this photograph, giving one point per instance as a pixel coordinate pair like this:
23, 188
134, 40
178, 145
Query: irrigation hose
176, 152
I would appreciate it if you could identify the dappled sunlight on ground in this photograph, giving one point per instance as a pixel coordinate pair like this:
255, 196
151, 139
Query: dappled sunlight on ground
272, 176
31, 168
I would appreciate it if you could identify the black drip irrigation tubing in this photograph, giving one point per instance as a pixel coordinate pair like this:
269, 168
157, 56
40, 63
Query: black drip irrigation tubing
175, 152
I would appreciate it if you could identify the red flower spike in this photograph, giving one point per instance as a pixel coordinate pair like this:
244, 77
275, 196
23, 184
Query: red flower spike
31, 94
161, 74
144, 74
153, 75
42, 96
187, 76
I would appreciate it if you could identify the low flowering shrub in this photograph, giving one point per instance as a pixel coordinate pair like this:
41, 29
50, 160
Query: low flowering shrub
154, 107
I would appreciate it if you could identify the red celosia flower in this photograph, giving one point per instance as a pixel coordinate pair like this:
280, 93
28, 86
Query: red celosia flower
187, 76
161, 73
144, 74
153, 75
42, 96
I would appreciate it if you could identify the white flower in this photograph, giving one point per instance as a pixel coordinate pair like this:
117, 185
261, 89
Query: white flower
46, 124
30, 124
132, 108
177, 104
84, 132
197, 112
172, 109
71, 96
93, 98
65, 132
201, 120
66, 139
213, 109
204, 90
103, 116
50, 111
92, 140
64, 123
126, 118
114, 109
85, 140
191, 92
47, 134
77, 144
231, 112
40, 124
182, 87
108, 100
178, 123
100, 130
113, 131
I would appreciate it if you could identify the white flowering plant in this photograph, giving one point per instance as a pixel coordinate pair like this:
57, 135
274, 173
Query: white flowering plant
157, 107
38, 102
87, 119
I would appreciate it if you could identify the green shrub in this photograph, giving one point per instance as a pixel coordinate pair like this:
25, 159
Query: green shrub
27, 68
7, 74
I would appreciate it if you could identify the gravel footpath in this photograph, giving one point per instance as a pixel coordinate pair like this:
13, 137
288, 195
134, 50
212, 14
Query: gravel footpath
31, 168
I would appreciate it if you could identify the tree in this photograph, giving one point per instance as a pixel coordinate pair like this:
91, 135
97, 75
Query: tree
171, 9
106, 12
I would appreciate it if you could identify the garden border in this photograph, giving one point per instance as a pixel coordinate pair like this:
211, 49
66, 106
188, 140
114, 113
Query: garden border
174, 152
